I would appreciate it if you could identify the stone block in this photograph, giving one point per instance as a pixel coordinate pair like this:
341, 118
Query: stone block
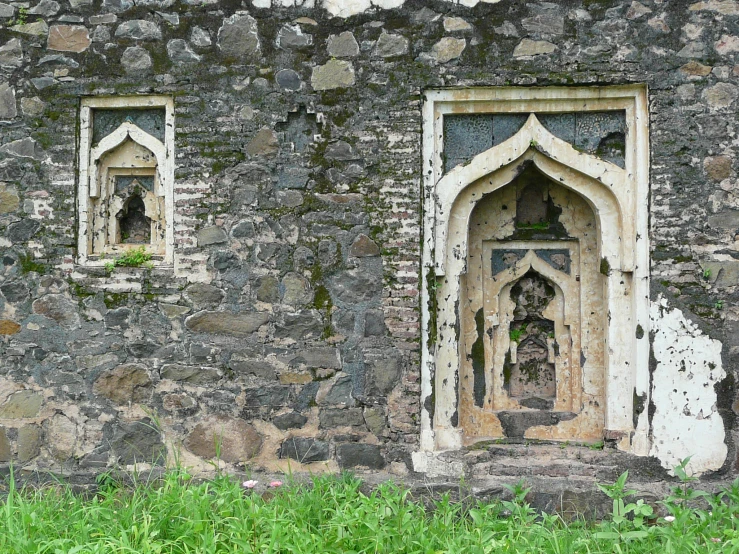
58, 308
136, 59
179, 52
201, 294
528, 47
448, 49
240, 324
68, 38
139, 29
8, 109
21, 405
330, 418
126, 383
5, 451
138, 441
389, 45
334, 74
11, 53
232, 440
238, 37
291, 420
304, 450
9, 327
264, 143
29, 442
352, 455
211, 235
343, 45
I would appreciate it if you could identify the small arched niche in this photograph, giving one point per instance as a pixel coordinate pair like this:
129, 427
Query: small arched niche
536, 274
126, 178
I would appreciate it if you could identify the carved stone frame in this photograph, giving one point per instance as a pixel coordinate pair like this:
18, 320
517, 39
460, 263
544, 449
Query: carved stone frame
87, 179
619, 199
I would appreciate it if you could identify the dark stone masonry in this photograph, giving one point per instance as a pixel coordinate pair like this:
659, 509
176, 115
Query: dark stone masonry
278, 322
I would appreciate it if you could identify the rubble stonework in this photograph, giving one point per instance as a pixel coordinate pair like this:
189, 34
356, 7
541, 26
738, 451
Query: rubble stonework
285, 331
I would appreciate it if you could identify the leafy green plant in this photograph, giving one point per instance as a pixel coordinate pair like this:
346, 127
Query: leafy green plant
628, 519
516, 334
136, 257
707, 273
719, 305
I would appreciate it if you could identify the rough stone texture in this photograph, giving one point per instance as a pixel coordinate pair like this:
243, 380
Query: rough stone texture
21, 405
237, 325
232, 440
139, 29
124, 384
5, 451
238, 36
136, 59
305, 450
8, 109
343, 45
294, 295
138, 441
334, 74
68, 38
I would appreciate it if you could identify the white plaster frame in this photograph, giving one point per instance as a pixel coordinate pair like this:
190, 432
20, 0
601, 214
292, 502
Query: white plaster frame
619, 198
87, 183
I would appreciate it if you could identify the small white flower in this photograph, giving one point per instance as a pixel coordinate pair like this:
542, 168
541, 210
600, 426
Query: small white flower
669, 519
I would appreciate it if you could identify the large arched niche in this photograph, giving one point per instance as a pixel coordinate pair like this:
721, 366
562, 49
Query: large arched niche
596, 312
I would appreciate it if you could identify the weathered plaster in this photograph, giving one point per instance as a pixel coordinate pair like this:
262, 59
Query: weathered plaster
686, 421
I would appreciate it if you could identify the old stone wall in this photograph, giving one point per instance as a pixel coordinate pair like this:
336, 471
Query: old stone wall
286, 333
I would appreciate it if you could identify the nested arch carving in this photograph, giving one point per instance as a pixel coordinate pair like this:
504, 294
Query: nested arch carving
593, 312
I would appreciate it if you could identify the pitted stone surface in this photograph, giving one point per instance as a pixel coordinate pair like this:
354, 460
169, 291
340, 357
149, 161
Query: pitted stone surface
68, 38
237, 325
233, 440
334, 74
139, 29
238, 36
124, 384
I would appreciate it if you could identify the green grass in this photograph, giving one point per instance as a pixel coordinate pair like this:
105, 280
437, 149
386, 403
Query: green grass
136, 257
333, 515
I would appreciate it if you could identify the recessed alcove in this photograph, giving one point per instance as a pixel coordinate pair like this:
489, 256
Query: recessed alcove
535, 261
126, 178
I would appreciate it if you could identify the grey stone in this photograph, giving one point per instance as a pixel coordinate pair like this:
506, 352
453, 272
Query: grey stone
288, 79
264, 401
61, 436
139, 29
243, 229
5, 452
258, 368
507, 29
383, 373
42, 82
114, 6
212, 235
637, 10
374, 323
9, 200
694, 49
223, 260
197, 375
101, 33
58, 59
389, 46
355, 286
11, 54
548, 22
341, 151
375, 420
334, 74
124, 384
343, 321
37, 28
138, 441
323, 357
448, 49
117, 319
330, 418
293, 178
200, 37
8, 108
340, 393
720, 95
14, 291
295, 290
268, 289
23, 148
290, 420
300, 326
304, 450
29, 442
238, 37
452, 24
229, 439
289, 198
291, 37
45, 8
59, 308
359, 455
22, 404
103, 19
33, 106
201, 294
6, 10
172, 19
528, 47
179, 51
136, 59
343, 45
424, 15
240, 324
